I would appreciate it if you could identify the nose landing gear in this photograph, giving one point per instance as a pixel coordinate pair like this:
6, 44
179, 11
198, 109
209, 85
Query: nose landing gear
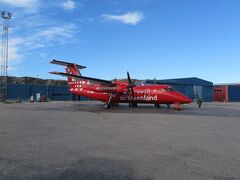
177, 106
106, 106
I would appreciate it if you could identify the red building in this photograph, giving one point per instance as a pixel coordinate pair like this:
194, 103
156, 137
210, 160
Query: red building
220, 93
226, 93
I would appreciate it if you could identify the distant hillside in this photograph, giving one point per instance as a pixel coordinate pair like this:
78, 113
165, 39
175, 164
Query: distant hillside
39, 81
33, 80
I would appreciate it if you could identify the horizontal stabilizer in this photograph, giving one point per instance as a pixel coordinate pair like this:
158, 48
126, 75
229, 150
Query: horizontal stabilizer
62, 63
84, 77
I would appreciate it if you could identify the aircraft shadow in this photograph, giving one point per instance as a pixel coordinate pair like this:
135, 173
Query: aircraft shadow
150, 109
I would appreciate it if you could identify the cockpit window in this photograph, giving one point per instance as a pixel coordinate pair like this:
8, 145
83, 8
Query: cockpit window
168, 89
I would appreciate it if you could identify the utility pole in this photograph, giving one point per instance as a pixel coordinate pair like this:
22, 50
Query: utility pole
4, 55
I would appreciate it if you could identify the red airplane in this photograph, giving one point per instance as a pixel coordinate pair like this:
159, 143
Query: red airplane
114, 92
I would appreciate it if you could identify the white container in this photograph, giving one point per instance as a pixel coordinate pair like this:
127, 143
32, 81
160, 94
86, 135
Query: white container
31, 99
38, 96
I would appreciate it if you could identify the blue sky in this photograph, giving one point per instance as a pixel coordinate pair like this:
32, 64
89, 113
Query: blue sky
149, 38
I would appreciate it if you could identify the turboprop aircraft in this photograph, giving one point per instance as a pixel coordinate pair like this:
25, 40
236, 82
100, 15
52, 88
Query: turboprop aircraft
115, 92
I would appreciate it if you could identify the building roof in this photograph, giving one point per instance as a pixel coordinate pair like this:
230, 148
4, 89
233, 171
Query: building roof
183, 81
227, 84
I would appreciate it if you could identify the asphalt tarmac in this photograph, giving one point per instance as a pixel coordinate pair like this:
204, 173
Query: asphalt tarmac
84, 141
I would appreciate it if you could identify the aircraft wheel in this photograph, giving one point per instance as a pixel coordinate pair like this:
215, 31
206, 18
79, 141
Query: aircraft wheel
168, 106
177, 106
133, 104
157, 105
106, 106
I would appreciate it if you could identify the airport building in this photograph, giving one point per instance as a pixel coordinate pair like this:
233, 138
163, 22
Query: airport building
39, 92
227, 92
26, 88
193, 87
29, 88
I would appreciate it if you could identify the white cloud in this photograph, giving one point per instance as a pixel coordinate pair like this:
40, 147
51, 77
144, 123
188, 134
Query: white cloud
15, 41
51, 36
69, 5
28, 4
15, 56
48, 37
131, 18
58, 31
36, 29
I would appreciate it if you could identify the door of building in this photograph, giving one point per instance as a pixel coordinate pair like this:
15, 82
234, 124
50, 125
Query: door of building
197, 92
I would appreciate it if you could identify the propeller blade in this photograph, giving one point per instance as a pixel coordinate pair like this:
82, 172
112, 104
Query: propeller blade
130, 84
129, 79
132, 92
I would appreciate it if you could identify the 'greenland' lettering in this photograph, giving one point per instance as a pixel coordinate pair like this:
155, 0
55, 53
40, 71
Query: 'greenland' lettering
139, 98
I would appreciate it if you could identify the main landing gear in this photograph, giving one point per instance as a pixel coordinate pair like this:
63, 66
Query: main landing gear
107, 104
132, 104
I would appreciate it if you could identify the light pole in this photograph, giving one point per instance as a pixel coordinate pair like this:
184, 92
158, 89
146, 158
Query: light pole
6, 16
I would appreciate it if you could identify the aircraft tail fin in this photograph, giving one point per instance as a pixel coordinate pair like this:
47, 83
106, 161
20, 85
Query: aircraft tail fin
63, 63
71, 68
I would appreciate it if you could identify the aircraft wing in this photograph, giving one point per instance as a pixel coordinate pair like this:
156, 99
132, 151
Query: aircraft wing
101, 81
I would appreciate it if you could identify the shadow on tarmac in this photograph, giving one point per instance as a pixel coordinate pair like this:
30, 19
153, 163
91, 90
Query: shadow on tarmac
218, 111
83, 169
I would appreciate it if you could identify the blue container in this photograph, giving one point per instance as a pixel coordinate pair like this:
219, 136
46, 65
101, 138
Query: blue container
233, 93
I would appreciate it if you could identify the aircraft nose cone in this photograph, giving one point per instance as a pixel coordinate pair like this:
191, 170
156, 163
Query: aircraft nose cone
184, 99
187, 100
